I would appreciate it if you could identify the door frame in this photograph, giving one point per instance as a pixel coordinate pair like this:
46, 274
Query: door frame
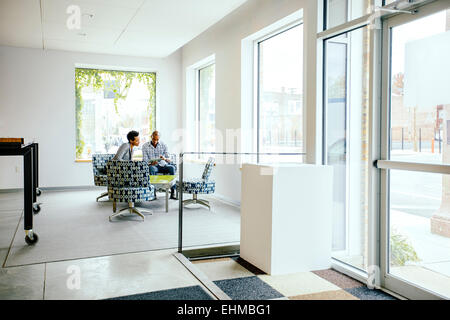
389, 281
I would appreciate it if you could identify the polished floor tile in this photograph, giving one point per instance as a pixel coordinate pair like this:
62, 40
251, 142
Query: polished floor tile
9, 221
298, 283
3, 255
223, 269
115, 276
22, 283
11, 201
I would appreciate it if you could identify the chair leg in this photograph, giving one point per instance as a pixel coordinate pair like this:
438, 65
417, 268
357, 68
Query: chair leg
132, 209
189, 201
115, 215
196, 200
204, 203
114, 206
104, 194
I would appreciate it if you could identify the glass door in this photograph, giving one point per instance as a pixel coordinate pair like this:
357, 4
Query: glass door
415, 228
346, 142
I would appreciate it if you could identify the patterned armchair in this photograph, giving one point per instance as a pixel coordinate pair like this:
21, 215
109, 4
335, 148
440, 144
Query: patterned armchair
129, 181
99, 167
200, 186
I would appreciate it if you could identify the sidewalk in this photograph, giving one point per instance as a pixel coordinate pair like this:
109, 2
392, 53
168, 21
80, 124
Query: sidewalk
433, 271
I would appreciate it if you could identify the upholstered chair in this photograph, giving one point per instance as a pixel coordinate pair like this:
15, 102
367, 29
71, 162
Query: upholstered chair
129, 181
99, 167
200, 186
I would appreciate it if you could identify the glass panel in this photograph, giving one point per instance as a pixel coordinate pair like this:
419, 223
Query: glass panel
207, 109
342, 11
420, 95
109, 104
420, 229
346, 142
419, 216
280, 119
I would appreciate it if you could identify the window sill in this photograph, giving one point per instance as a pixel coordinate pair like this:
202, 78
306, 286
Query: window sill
196, 161
83, 161
89, 161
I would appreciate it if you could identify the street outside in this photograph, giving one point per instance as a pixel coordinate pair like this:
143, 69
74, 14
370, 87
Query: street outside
414, 198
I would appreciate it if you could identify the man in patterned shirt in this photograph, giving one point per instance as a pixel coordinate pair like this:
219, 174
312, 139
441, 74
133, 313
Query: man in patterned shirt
156, 154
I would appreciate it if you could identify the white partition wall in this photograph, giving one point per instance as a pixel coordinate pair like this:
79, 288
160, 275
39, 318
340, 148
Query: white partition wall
286, 217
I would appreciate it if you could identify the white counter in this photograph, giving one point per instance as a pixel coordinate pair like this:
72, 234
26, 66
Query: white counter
286, 217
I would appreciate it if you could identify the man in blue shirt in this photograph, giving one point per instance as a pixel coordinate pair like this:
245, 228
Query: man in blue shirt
156, 154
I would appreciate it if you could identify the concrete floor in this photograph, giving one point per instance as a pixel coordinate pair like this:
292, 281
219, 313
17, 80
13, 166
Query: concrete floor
96, 278
141, 272
90, 278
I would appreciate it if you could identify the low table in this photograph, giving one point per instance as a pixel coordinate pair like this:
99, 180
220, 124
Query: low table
163, 183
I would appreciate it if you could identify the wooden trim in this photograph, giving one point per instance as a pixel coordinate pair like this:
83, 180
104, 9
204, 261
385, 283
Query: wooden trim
11, 140
83, 161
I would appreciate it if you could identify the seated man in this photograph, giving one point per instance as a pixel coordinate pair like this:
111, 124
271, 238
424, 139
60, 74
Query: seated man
156, 154
125, 151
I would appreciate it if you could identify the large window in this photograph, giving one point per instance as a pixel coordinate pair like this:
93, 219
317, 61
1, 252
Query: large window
342, 11
280, 95
108, 105
206, 109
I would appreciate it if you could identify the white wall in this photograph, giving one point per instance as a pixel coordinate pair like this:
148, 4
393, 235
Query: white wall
37, 100
224, 41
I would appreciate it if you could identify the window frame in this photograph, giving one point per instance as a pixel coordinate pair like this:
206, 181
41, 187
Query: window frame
257, 81
385, 164
378, 179
119, 69
197, 103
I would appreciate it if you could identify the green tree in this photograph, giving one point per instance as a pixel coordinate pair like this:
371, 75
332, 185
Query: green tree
98, 80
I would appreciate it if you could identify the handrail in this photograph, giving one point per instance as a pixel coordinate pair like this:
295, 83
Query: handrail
180, 184
412, 166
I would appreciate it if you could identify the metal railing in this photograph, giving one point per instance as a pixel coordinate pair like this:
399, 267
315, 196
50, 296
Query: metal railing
403, 143
412, 166
180, 178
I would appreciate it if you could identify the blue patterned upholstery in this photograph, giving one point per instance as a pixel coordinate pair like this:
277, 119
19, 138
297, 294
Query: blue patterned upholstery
208, 168
129, 181
199, 186
202, 185
99, 167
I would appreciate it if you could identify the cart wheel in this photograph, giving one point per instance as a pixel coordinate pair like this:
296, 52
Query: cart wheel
31, 241
38, 192
36, 208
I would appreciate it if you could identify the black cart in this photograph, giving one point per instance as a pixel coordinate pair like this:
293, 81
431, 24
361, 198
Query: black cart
30, 153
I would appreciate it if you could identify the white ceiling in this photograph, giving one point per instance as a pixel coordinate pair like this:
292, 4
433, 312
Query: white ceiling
149, 28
